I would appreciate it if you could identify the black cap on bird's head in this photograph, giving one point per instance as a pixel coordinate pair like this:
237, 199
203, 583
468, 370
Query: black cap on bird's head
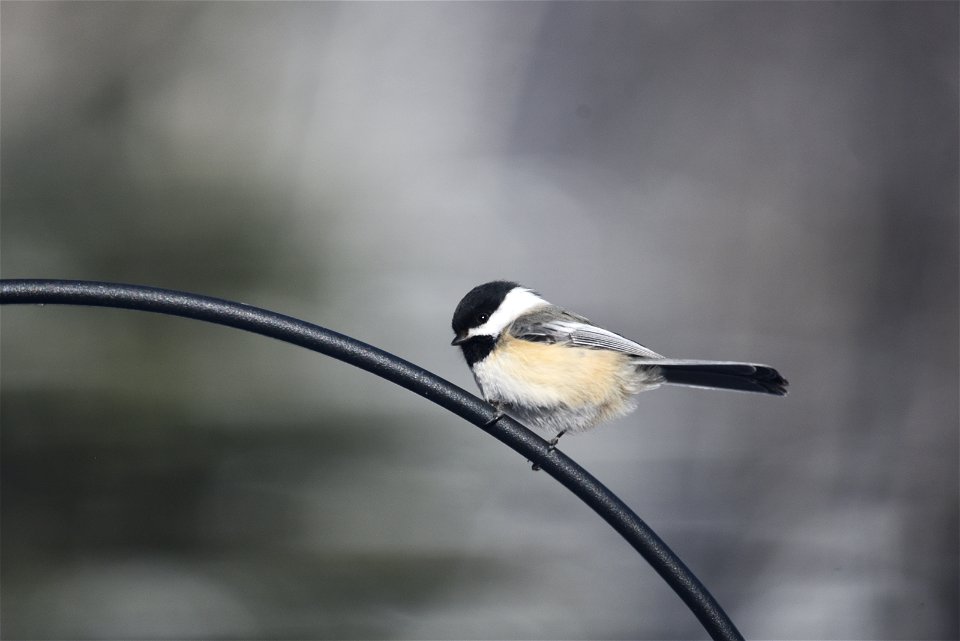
477, 306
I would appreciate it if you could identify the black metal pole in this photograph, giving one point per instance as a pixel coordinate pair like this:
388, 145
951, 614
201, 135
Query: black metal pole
319, 339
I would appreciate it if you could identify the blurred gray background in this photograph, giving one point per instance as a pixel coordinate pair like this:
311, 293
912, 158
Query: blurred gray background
759, 181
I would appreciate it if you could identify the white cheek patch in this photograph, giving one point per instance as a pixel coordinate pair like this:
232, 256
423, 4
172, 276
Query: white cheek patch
515, 304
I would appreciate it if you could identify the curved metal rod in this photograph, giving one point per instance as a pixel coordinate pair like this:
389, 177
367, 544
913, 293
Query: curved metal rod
396, 370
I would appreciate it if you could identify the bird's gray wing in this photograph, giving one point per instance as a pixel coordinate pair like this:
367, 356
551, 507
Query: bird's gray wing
552, 325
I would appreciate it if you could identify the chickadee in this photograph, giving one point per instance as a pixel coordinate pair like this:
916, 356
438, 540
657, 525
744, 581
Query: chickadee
558, 372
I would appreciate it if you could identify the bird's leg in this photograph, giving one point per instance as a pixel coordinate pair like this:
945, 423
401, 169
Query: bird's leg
555, 439
553, 446
500, 414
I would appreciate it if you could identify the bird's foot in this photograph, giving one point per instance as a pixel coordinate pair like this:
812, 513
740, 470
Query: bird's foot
555, 440
553, 445
496, 418
500, 414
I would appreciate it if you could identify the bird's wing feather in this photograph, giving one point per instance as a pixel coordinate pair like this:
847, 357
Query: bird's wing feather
575, 331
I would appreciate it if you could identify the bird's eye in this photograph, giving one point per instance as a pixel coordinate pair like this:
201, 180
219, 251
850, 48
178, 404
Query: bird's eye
483, 318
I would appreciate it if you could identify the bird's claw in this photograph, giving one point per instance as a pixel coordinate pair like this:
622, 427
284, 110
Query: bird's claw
496, 418
552, 443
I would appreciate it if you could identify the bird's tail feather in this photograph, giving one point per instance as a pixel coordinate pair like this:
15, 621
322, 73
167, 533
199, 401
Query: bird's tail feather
742, 377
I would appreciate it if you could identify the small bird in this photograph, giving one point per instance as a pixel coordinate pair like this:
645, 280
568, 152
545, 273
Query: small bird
558, 372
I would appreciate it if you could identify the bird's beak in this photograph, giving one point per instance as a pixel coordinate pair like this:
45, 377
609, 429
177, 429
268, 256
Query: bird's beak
459, 339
